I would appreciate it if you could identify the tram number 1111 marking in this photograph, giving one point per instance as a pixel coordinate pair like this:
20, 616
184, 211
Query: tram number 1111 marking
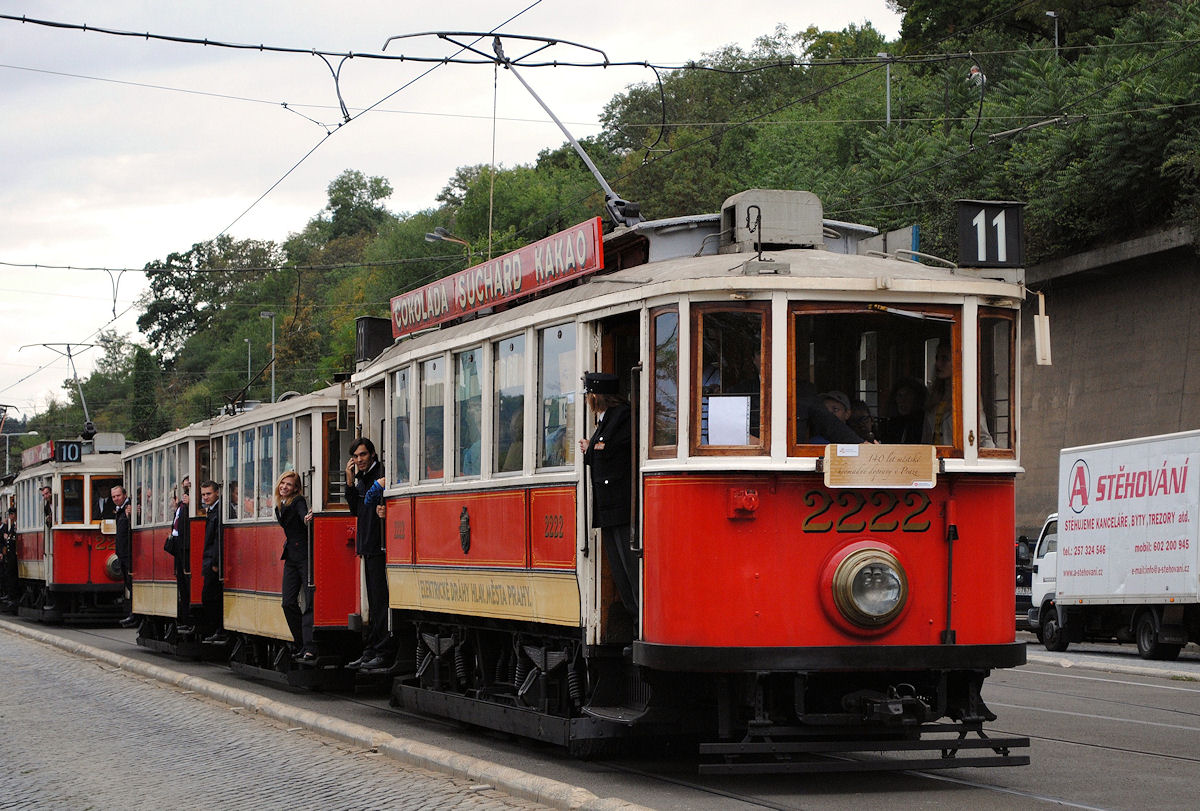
876, 511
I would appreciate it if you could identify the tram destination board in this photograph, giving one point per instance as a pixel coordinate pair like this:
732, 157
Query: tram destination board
569, 254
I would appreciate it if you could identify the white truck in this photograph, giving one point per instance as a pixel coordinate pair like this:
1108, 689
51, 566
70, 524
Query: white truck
1121, 558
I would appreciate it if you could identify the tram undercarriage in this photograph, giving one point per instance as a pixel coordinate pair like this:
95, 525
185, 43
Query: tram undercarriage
589, 699
67, 605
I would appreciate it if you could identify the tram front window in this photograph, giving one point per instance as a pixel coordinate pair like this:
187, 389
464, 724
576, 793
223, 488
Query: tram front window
883, 361
732, 377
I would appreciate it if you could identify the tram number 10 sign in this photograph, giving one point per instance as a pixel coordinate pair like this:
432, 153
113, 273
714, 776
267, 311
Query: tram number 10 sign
990, 234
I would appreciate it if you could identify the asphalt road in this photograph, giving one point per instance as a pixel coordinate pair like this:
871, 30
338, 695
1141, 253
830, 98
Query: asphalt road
1108, 730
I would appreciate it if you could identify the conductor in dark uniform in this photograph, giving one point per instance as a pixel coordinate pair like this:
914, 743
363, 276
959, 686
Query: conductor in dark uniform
609, 455
212, 595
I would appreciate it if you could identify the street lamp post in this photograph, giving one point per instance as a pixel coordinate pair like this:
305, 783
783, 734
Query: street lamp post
1054, 14
888, 57
7, 439
271, 315
247, 340
440, 234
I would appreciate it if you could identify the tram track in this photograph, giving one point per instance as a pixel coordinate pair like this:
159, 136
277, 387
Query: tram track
805, 794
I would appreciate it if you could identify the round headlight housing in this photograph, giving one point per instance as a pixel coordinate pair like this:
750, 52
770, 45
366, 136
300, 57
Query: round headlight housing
112, 568
870, 588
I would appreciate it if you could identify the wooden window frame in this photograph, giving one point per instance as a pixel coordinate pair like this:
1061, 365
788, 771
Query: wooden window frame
1004, 314
672, 450
796, 308
696, 390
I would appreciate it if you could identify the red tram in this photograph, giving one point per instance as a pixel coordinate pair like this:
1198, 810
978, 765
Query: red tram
66, 553
797, 596
246, 453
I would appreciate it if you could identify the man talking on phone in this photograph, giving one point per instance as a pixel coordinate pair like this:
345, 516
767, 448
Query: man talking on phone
362, 470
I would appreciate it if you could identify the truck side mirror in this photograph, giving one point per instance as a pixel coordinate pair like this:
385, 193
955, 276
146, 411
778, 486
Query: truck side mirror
1035, 568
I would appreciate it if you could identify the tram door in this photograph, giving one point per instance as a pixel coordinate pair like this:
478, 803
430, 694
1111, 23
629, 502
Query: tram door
616, 351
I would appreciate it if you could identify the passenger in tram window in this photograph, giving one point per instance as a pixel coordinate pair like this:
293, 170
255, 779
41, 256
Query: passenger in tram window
362, 470
815, 423
48, 504
939, 412
212, 596
514, 448
905, 417
608, 454
433, 455
861, 420
838, 404
292, 513
469, 438
233, 499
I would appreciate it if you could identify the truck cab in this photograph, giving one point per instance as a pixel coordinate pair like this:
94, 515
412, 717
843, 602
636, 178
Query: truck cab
1042, 583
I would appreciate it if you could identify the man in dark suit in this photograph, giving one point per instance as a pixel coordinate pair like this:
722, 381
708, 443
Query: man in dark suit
362, 470
181, 531
212, 597
124, 548
609, 454
8, 568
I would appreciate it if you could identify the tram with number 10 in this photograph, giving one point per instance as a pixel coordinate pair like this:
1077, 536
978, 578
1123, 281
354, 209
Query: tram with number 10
797, 593
66, 553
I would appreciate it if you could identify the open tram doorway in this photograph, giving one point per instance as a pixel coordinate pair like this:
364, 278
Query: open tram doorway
616, 351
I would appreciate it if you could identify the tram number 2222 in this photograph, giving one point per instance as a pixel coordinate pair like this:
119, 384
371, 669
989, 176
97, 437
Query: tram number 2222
877, 511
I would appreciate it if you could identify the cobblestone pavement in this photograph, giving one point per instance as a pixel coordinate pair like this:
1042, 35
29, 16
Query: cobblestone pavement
79, 734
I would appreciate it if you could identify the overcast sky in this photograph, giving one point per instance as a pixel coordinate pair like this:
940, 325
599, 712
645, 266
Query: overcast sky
118, 151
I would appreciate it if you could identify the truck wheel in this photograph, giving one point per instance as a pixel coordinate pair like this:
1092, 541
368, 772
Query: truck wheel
1053, 636
1147, 640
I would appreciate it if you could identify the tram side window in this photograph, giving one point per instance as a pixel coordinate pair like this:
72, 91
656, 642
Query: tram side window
102, 506
232, 496
468, 399
433, 418
136, 493
665, 325
285, 430
559, 381
402, 420
337, 454
147, 493
246, 507
508, 378
266, 470
996, 336
883, 361
730, 404
72, 500
171, 491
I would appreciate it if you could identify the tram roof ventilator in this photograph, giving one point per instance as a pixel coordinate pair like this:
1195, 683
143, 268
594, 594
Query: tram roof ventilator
784, 219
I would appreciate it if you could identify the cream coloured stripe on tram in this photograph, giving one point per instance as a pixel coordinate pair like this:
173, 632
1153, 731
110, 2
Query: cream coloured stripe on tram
550, 597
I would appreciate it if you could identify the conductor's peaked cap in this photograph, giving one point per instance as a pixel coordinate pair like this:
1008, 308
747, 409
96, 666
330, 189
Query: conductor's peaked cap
600, 383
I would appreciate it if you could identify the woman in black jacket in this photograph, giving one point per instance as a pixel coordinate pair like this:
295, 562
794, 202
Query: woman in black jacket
291, 510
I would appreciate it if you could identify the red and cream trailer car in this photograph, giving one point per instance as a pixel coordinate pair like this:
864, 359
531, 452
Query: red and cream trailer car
249, 452
160, 473
67, 561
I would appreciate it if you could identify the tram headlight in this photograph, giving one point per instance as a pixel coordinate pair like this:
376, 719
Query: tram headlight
112, 568
870, 588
